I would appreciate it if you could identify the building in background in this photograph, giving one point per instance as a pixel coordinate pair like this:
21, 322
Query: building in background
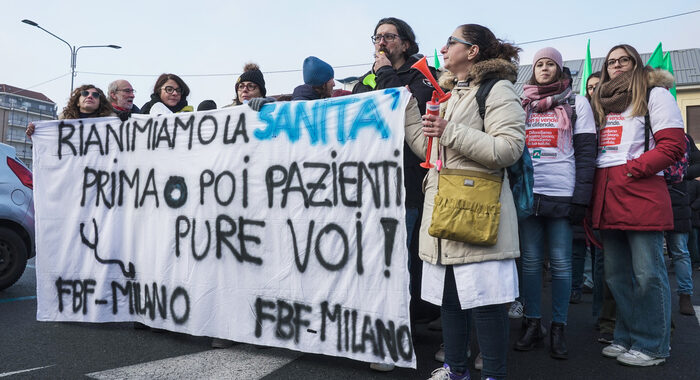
17, 108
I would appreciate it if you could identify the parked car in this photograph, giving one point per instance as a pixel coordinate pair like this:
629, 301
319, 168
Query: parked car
16, 216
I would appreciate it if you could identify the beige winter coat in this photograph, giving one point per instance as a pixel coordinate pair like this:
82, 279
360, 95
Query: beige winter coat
469, 142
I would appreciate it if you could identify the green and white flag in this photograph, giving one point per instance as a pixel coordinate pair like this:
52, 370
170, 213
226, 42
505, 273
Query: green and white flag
669, 67
587, 69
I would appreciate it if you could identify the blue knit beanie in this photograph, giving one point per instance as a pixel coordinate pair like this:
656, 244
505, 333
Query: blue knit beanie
316, 72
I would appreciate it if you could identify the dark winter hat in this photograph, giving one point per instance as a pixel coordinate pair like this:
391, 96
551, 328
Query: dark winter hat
252, 73
206, 105
316, 72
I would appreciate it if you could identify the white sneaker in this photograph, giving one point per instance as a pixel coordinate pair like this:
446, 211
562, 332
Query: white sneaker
444, 373
639, 359
382, 367
613, 350
516, 310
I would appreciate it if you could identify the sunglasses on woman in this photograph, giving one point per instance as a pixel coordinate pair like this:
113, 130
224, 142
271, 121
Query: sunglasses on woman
86, 93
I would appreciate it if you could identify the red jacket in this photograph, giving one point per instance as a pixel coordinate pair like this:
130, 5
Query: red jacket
632, 196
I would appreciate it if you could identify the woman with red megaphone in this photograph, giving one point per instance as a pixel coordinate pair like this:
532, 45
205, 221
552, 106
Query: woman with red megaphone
469, 231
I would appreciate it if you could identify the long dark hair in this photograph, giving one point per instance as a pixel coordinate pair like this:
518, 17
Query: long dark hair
490, 47
164, 78
72, 109
405, 33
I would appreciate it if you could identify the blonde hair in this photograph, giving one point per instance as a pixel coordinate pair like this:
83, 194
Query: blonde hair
638, 85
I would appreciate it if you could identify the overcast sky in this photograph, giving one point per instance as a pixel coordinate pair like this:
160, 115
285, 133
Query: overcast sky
196, 39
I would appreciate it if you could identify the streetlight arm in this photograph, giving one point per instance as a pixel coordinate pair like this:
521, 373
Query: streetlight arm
32, 23
97, 46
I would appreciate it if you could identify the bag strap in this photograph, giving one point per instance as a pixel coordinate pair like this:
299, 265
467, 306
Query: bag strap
482, 93
647, 123
572, 103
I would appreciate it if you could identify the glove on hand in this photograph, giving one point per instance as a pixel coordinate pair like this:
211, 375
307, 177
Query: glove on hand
256, 103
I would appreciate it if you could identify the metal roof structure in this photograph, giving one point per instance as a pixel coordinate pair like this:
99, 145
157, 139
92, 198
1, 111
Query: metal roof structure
686, 68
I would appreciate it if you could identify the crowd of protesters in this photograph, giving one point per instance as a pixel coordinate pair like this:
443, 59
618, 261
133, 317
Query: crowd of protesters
600, 191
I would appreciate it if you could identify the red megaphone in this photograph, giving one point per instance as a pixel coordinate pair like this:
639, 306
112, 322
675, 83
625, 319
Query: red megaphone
422, 66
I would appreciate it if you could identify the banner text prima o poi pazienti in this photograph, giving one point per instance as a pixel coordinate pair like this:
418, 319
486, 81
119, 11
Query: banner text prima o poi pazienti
282, 228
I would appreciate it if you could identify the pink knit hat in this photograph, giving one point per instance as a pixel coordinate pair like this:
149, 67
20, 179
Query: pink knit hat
551, 53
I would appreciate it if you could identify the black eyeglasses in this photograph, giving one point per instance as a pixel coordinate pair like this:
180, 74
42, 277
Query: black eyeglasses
624, 61
170, 90
86, 93
128, 90
453, 40
388, 37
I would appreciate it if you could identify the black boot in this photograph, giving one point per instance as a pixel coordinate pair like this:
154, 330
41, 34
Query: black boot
532, 336
557, 342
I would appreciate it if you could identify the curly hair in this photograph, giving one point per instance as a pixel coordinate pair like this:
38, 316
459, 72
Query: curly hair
72, 109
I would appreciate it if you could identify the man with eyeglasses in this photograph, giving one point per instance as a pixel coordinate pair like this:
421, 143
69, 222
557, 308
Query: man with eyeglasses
395, 51
121, 95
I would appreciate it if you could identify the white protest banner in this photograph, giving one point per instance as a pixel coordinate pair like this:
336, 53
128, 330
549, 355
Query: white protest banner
282, 228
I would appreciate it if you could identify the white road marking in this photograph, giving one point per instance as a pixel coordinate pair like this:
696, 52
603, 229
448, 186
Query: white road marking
24, 370
239, 362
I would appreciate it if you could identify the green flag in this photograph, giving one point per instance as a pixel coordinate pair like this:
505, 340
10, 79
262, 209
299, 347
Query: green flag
437, 60
657, 57
587, 69
669, 67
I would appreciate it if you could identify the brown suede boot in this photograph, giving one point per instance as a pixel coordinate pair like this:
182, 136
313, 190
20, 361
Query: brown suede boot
685, 306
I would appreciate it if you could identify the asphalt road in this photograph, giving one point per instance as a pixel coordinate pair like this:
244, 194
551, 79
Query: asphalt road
31, 349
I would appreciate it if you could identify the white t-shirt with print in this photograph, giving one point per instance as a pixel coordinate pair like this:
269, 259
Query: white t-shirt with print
554, 166
622, 138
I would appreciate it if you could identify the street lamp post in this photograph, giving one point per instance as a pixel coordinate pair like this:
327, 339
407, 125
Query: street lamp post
73, 49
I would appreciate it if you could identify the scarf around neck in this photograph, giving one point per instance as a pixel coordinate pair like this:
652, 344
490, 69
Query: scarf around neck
155, 98
615, 94
542, 98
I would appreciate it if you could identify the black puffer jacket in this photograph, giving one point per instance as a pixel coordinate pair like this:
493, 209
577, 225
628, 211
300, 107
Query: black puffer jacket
305, 92
680, 192
694, 198
422, 90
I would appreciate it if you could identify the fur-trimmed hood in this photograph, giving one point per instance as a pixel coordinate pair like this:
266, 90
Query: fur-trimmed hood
660, 78
491, 68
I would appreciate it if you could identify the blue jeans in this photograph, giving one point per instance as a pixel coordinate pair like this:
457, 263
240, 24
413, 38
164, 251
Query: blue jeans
598, 279
536, 233
636, 275
578, 260
694, 247
677, 244
492, 328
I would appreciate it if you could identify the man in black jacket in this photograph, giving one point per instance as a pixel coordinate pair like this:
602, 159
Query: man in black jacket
396, 51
